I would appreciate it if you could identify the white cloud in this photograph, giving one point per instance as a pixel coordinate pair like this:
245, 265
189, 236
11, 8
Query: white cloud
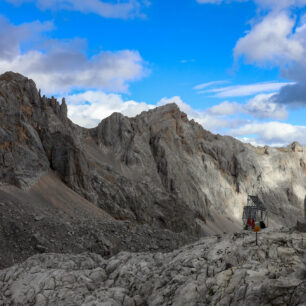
208, 84
252, 141
218, 119
114, 9
59, 66
295, 95
106, 70
272, 133
11, 36
274, 40
245, 90
262, 107
259, 107
210, 120
278, 40
89, 108
225, 109
270, 40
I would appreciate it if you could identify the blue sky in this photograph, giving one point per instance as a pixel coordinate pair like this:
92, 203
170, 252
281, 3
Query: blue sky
237, 67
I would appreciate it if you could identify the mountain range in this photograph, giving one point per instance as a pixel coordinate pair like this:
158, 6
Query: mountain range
157, 177
141, 211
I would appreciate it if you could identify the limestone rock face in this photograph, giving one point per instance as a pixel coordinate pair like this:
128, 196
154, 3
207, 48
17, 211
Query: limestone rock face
22, 156
228, 270
158, 169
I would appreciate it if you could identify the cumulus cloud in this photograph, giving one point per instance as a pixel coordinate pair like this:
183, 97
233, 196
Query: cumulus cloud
211, 120
259, 107
11, 36
225, 108
274, 133
89, 108
280, 41
62, 65
270, 40
219, 119
262, 107
278, 38
108, 70
295, 95
114, 9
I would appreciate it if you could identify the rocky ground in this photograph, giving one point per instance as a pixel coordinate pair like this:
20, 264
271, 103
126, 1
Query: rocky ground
52, 218
219, 270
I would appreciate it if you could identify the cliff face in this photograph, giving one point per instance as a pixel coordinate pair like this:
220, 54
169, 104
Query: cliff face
158, 168
149, 183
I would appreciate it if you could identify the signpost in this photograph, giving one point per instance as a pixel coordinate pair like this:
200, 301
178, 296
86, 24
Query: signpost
257, 229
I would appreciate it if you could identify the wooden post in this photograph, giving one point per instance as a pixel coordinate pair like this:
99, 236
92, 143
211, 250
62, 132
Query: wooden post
305, 208
256, 230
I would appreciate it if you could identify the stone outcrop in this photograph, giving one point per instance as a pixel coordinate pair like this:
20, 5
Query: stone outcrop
158, 169
228, 270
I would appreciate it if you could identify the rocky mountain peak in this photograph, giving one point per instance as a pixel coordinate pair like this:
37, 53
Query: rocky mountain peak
158, 168
165, 112
10, 76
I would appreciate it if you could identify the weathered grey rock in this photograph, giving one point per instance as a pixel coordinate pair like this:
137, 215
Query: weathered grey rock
192, 275
158, 169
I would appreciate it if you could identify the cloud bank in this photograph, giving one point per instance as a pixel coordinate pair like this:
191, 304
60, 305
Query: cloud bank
89, 108
273, 133
59, 66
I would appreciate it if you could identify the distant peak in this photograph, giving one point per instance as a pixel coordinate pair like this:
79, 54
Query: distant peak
11, 76
170, 106
161, 110
296, 147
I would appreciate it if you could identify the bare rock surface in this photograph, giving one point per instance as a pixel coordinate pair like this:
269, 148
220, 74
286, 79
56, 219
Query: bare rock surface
158, 172
227, 270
